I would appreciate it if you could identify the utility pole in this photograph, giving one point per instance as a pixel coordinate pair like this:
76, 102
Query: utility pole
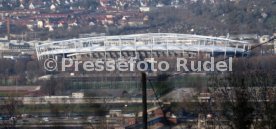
274, 45
8, 22
144, 99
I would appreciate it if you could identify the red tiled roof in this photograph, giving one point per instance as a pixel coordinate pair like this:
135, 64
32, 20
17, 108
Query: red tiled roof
51, 16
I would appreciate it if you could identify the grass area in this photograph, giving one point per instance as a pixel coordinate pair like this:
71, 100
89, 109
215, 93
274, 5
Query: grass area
183, 81
14, 94
76, 108
104, 85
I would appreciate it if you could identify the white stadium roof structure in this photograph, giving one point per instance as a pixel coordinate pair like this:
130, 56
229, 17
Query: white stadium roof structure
146, 45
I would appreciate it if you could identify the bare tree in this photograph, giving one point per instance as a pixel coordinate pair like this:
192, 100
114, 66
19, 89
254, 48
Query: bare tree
245, 97
8, 109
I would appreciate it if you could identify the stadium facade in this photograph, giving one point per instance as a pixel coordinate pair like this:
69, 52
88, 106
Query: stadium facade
147, 45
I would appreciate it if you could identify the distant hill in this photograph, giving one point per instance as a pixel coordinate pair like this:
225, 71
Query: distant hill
247, 16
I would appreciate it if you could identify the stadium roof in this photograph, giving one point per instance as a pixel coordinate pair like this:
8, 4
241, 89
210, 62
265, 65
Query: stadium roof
142, 42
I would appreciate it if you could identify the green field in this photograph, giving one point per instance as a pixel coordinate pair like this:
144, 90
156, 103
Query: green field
187, 81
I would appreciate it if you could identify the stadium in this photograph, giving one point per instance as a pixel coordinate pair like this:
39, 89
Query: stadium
142, 46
